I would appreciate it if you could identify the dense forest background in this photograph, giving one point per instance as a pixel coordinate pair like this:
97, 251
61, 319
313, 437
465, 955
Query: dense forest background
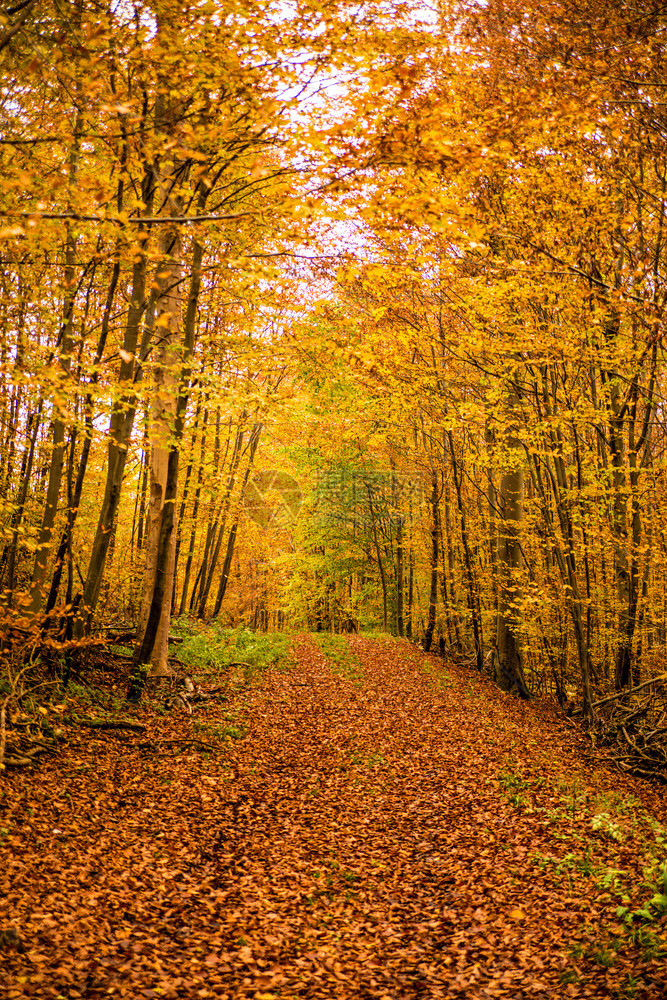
338, 317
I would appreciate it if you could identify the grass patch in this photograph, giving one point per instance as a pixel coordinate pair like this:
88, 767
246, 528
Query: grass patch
380, 636
440, 675
219, 731
240, 654
516, 786
359, 758
343, 661
81, 699
120, 649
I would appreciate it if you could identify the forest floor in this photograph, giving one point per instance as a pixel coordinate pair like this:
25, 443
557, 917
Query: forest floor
365, 822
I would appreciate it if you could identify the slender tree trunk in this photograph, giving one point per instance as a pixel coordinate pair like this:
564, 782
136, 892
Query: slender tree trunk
509, 563
213, 510
143, 485
160, 604
399, 576
492, 506
472, 593
184, 500
435, 533
565, 561
231, 541
411, 582
16, 403
231, 479
59, 424
509, 669
411, 572
195, 512
10, 552
74, 496
383, 577
625, 665
620, 531
122, 417
449, 567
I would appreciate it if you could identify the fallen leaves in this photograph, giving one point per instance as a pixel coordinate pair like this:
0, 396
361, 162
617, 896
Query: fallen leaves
356, 843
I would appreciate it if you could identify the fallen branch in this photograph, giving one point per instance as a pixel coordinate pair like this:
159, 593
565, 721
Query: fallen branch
3, 731
134, 727
17, 761
158, 743
622, 694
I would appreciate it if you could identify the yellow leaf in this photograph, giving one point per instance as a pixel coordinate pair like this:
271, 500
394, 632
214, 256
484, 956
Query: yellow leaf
517, 915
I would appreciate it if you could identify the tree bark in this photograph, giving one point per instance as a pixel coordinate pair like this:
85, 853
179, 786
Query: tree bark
400, 625
184, 501
231, 479
509, 671
383, 576
74, 497
159, 611
195, 512
59, 424
435, 533
231, 541
10, 552
122, 417
472, 592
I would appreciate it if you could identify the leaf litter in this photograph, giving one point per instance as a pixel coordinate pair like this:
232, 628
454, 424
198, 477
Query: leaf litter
399, 830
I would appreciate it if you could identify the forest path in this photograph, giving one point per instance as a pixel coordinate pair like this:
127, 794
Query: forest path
387, 827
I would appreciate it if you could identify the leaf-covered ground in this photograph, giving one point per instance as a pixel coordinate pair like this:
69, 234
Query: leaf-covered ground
386, 826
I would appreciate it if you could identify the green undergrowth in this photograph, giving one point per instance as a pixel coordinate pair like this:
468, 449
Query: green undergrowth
343, 661
237, 653
586, 828
231, 727
83, 700
332, 881
440, 674
379, 636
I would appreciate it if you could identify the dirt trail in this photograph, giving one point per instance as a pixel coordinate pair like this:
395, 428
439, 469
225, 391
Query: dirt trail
381, 831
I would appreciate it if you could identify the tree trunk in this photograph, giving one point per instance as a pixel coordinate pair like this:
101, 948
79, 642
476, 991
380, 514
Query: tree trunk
74, 497
383, 577
165, 402
399, 576
231, 479
435, 534
195, 512
143, 485
231, 541
566, 561
510, 503
65, 353
158, 618
186, 491
10, 552
509, 670
122, 418
473, 600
